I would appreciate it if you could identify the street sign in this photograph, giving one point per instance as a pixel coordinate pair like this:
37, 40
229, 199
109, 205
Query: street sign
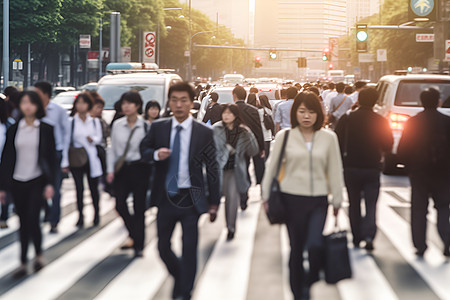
422, 10
149, 46
17, 64
125, 54
85, 41
425, 37
187, 53
381, 55
447, 50
366, 57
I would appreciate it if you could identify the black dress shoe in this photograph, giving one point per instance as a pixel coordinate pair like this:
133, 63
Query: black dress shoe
138, 253
54, 229
369, 245
22, 272
80, 223
96, 220
38, 266
230, 235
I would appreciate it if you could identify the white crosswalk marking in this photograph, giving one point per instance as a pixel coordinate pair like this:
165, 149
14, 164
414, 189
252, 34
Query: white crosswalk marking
226, 273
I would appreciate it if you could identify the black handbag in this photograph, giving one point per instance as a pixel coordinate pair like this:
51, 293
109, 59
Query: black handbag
337, 260
268, 122
277, 212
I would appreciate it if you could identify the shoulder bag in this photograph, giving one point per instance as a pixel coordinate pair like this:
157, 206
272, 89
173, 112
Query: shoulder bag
121, 161
277, 212
78, 157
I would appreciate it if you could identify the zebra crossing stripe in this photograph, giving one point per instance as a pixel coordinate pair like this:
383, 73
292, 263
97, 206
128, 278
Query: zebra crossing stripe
60, 275
433, 268
227, 271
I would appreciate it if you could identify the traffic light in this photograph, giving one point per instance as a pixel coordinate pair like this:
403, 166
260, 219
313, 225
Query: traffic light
301, 62
258, 63
330, 66
273, 55
362, 38
326, 54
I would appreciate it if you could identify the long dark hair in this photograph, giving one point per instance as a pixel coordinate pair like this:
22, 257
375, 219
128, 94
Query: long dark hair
264, 100
233, 108
35, 100
251, 100
3, 111
87, 98
150, 104
312, 102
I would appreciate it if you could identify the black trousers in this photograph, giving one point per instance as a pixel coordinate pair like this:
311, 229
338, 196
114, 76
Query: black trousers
28, 200
362, 183
78, 175
182, 269
423, 186
266, 150
133, 179
305, 222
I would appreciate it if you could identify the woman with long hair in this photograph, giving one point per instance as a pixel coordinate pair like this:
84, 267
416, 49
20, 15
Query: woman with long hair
27, 170
267, 124
85, 132
234, 141
312, 169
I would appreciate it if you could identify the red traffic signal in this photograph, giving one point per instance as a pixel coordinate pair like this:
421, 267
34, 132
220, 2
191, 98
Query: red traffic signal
330, 66
258, 63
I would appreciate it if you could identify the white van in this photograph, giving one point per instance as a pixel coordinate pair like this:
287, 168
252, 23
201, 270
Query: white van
400, 99
152, 85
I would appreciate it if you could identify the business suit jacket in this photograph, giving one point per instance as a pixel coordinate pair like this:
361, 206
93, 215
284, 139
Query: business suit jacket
213, 114
250, 117
202, 153
46, 156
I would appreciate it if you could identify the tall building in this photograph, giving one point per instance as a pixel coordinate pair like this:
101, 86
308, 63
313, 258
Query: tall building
360, 9
237, 15
297, 24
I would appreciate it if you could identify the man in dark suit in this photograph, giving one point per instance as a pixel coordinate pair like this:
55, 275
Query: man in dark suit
214, 111
250, 116
424, 149
180, 147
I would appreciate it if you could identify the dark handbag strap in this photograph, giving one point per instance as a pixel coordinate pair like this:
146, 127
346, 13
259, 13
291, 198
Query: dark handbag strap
283, 148
71, 132
127, 147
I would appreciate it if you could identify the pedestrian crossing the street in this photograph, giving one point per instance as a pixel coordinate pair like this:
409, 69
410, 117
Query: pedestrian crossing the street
88, 263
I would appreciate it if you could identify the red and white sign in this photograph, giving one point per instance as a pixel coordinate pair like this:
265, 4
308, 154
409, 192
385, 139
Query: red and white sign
447, 50
126, 54
85, 41
425, 37
149, 47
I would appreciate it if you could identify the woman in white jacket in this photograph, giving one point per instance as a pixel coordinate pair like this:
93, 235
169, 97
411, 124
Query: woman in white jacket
312, 169
85, 132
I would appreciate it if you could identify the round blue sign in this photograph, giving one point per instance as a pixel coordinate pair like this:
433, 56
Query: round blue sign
422, 8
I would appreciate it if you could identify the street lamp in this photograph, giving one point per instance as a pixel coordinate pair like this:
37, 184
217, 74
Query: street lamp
158, 33
190, 52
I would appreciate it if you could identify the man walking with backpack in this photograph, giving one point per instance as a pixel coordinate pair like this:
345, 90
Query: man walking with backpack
424, 148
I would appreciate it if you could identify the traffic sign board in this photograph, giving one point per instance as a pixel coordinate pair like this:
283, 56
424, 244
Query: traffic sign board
149, 46
447, 50
381, 55
425, 37
85, 41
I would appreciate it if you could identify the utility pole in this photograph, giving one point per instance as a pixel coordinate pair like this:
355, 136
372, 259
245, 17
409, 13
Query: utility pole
190, 45
29, 65
100, 52
5, 43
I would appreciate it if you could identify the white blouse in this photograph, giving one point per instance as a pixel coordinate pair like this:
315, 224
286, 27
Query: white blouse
90, 127
27, 152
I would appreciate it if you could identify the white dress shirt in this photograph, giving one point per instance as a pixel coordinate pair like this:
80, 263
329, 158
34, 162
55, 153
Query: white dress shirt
91, 127
119, 136
58, 118
184, 180
27, 152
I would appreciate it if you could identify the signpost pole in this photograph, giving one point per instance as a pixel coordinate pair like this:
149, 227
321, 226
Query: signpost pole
5, 43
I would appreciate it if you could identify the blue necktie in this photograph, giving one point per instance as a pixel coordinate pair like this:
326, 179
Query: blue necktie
174, 160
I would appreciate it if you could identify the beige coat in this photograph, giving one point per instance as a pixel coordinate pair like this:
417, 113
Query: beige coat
315, 173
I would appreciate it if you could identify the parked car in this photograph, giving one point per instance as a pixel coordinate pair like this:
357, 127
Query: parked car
66, 99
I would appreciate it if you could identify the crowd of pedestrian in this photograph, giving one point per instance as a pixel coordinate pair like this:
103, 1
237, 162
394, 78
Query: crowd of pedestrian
326, 137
